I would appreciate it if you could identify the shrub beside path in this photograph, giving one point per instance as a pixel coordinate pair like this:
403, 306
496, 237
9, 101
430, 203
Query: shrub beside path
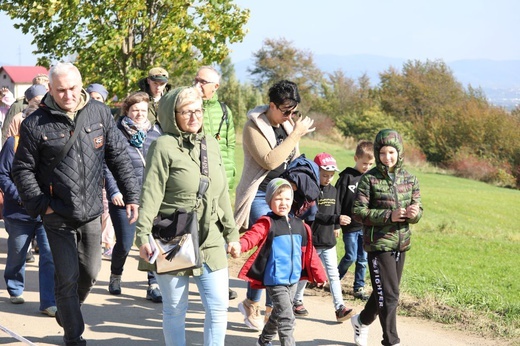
130, 319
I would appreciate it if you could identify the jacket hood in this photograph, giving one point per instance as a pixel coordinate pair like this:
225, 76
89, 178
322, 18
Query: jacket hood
166, 116
391, 138
254, 113
49, 101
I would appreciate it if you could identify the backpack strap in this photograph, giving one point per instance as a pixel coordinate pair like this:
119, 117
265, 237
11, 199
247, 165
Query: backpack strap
224, 118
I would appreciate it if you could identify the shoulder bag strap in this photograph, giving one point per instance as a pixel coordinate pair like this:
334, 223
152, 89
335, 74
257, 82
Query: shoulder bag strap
68, 145
204, 170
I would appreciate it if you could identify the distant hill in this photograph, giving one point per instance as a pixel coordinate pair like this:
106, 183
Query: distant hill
500, 80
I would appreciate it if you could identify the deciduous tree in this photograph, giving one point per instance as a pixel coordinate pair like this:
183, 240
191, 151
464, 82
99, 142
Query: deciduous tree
115, 42
278, 59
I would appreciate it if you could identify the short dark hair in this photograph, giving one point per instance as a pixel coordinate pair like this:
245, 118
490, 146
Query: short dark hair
284, 92
132, 99
365, 147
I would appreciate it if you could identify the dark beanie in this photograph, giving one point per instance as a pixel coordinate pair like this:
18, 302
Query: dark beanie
34, 90
99, 89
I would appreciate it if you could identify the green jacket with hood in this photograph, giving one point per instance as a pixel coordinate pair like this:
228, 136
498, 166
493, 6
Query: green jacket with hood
378, 195
171, 182
212, 117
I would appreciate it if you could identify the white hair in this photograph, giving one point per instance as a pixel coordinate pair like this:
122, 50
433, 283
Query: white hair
62, 68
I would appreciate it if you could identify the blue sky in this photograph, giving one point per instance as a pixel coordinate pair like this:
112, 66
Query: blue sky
409, 29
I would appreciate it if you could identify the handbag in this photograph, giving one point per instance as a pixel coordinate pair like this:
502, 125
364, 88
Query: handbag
177, 236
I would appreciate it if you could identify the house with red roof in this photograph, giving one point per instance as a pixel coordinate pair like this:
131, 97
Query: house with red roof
19, 78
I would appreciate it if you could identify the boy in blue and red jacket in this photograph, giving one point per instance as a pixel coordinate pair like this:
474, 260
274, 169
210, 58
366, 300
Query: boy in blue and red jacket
285, 255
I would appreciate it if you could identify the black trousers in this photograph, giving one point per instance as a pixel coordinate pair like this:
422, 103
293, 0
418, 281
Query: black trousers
386, 269
77, 261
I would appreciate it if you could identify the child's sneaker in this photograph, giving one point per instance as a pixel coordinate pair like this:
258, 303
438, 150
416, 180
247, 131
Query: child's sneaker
299, 309
107, 253
251, 312
267, 313
260, 343
359, 293
360, 331
343, 313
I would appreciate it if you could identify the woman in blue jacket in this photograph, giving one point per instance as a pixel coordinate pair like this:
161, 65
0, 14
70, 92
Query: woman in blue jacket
140, 133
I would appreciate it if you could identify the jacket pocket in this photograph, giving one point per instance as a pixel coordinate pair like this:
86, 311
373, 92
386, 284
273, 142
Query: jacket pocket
96, 135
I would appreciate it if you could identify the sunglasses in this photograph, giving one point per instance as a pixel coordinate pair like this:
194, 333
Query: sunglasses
289, 112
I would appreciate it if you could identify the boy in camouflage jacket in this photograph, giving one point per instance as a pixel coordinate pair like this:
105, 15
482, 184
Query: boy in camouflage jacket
387, 201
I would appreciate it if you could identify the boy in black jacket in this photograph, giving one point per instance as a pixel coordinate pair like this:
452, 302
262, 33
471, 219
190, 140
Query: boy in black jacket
325, 230
352, 230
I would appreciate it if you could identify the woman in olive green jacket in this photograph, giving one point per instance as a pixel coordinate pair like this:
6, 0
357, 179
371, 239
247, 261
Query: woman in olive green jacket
171, 182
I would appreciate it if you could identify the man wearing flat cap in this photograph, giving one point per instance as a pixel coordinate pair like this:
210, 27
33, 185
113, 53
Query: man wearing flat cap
155, 85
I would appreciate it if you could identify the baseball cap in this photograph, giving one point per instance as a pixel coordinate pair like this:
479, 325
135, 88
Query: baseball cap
158, 74
326, 162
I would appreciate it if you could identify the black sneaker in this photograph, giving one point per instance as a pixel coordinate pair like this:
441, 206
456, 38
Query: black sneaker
153, 293
232, 294
299, 309
114, 287
359, 293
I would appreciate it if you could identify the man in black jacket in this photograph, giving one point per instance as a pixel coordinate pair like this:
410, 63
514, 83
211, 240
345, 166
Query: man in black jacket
67, 193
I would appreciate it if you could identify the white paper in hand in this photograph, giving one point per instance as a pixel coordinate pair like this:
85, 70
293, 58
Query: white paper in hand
155, 250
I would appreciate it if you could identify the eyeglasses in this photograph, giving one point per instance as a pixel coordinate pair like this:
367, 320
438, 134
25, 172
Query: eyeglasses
202, 81
289, 112
188, 114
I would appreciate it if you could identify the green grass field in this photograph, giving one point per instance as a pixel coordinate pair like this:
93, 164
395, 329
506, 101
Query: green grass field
465, 251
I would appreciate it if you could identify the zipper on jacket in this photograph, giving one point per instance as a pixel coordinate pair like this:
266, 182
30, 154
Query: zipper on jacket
292, 246
396, 195
81, 171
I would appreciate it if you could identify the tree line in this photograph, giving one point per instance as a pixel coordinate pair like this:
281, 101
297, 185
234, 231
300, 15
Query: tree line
115, 43
452, 125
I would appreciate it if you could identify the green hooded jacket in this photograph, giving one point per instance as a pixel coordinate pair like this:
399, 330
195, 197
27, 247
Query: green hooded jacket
212, 118
378, 195
171, 182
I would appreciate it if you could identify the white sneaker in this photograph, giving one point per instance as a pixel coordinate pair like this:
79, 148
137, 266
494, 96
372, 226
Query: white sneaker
360, 331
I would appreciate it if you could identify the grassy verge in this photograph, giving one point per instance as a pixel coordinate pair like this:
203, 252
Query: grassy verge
461, 269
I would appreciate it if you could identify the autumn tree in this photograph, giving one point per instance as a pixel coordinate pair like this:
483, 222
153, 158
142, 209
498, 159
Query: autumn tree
240, 97
115, 42
278, 59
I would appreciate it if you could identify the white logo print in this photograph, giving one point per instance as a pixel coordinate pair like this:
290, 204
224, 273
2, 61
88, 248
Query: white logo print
353, 188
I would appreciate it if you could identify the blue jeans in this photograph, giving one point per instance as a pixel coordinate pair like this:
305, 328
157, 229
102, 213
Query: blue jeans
213, 290
77, 261
125, 233
259, 208
330, 263
20, 235
354, 253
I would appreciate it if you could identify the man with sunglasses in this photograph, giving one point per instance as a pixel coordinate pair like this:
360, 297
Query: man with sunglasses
155, 85
218, 122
